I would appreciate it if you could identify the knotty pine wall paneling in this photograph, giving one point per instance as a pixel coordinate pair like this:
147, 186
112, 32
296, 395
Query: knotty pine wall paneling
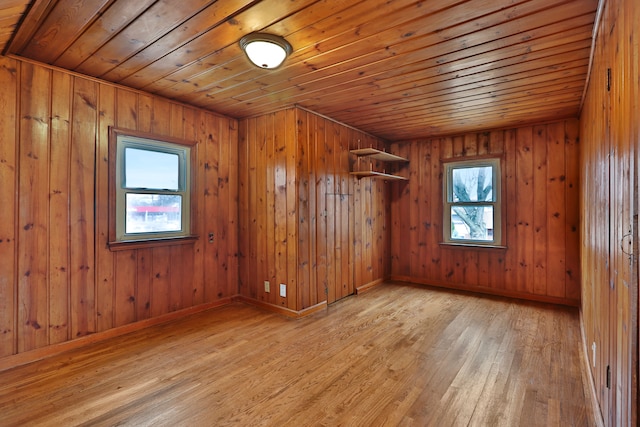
610, 130
9, 75
304, 220
58, 278
540, 196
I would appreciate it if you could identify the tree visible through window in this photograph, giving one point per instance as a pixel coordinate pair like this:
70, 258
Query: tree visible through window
472, 202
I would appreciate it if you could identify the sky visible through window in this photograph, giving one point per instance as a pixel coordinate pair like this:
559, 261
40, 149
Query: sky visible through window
151, 169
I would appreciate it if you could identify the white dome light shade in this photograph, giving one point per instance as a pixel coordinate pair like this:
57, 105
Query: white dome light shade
265, 50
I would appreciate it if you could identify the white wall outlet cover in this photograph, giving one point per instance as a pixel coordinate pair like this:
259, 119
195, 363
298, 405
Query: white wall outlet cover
283, 290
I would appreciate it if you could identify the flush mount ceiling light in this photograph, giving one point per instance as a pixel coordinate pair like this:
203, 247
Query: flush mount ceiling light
265, 50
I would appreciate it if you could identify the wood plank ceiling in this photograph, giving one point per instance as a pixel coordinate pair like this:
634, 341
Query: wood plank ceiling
398, 69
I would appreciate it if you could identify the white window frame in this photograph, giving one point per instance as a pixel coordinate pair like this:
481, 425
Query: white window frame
495, 202
119, 141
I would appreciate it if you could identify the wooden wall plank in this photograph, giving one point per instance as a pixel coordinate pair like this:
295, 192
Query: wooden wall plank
243, 208
269, 189
312, 203
291, 151
331, 248
413, 249
524, 201
540, 197
160, 281
143, 113
105, 275
33, 219
222, 209
194, 258
125, 295
251, 289
520, 269
280, 169
213, 273
556, 184
265, 223
367, 231
435, 214
424, 209
609, 146
9, 76
314, 214
323, 176
304, 235
82, 207
141, 287
446, 269
510, 260
199, 132
179, 278
346, 277
127, 116
59, 215
572, 161
62, 280
228, 217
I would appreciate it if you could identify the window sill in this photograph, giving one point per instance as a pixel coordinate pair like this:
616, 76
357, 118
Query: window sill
151, 243
471, 246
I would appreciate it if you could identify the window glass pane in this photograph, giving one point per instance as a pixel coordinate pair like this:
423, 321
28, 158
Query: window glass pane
153, 213
151, 169
472, 184
472, 222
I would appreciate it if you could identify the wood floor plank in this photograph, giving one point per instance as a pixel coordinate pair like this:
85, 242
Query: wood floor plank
397, 355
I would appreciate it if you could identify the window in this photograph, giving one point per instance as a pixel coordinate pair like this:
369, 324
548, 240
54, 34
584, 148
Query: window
151, 188
472, 203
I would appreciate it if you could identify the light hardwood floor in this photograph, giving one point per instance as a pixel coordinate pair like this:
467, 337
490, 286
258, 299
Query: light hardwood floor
396, 355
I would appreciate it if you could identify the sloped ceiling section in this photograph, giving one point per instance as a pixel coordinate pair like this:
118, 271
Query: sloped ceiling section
398, 69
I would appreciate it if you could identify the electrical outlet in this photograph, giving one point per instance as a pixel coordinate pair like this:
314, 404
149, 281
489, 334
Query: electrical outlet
593, 353
267, 286
283, 290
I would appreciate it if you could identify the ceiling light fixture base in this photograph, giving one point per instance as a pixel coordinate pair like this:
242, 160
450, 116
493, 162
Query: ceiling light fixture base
265, 50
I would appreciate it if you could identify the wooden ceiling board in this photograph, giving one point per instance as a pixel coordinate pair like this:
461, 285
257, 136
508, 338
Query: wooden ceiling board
214, 15
61, 27
111, 22
326, 59
224, 36
11, 12
398, 69
476, 77
161, 18
307, 42
293, 87
349, 60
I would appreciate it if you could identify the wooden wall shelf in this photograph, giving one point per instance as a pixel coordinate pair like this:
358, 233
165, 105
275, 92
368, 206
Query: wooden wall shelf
375, 154
374, 174
372, 153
